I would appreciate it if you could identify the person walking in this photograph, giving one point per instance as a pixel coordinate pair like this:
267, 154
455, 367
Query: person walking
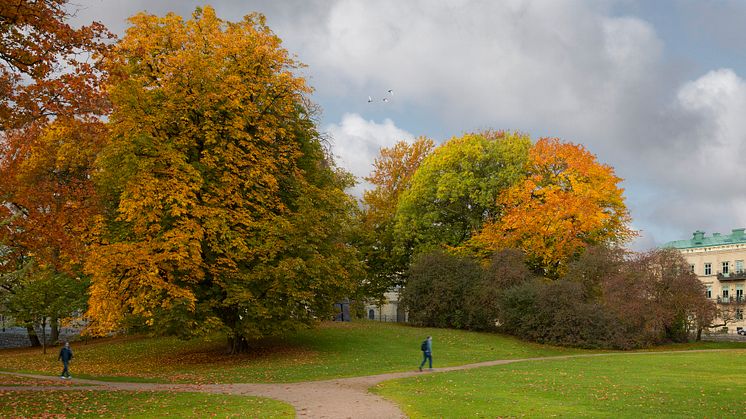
66, 354
427, 352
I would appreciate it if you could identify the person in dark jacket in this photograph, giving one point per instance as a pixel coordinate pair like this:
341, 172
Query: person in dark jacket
427, 352
66, 354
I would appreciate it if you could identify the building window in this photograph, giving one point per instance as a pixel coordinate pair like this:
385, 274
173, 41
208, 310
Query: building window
726, 266
739, 314
739, 266
691, 268
708, 292
708, 268
725, 294
739, 293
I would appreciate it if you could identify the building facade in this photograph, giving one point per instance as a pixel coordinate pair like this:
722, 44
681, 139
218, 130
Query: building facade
389, 311
718, 261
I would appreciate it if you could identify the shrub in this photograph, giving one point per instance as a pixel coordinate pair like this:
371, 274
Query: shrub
435, 290
506, 268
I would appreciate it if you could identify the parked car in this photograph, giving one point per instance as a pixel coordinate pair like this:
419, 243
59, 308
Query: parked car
741, 331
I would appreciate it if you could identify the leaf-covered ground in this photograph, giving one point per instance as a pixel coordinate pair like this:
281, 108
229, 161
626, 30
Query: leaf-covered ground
10, 380
333, 350
651, 385
89, 403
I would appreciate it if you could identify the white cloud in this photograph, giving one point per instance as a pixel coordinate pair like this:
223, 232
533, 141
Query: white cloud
703, 176
356, 142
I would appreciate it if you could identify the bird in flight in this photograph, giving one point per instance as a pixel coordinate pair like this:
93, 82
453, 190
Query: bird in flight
390, 92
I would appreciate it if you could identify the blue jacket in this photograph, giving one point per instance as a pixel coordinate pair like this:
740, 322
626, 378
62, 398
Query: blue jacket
66, 354
429, 346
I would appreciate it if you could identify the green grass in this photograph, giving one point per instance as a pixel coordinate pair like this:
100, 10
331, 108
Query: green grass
88, 403
331, 351
649, 385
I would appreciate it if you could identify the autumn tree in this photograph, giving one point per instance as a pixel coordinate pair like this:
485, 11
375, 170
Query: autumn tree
455, 189
225, 210
50, 98
567, 201
49, 204
656, 298
392, 175
47, 68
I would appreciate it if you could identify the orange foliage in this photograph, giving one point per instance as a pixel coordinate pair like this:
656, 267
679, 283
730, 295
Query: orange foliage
46, 184
567, 202
45, 66
392, 174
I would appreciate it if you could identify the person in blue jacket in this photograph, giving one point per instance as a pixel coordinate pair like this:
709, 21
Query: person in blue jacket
427, 352
66, 354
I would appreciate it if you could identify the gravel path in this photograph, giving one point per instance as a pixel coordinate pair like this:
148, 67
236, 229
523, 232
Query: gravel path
337, 398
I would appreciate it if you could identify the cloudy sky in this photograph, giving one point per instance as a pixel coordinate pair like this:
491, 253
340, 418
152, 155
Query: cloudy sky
655, 89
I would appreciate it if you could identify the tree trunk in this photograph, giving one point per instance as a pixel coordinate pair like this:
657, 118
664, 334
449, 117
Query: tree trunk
44, 334
54, 336
699, 334
32, 336
237, 345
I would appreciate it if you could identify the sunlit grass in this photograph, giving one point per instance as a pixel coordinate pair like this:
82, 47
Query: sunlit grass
650, 385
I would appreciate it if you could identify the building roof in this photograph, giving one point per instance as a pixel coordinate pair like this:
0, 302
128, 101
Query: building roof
699, 240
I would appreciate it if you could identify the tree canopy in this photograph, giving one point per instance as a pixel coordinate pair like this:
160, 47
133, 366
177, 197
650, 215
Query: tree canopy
567, 201
224, 210
45, 65
455, 189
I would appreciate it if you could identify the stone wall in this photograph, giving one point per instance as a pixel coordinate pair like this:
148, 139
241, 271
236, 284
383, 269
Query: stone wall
17, 337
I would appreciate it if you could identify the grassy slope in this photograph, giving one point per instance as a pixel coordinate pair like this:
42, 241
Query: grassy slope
85, 404
333, 350
650, 385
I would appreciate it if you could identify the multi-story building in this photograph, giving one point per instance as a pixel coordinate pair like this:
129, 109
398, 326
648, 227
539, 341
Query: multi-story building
718, 261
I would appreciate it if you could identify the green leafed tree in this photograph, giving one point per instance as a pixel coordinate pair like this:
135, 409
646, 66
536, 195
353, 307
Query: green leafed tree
225, 209
455, 189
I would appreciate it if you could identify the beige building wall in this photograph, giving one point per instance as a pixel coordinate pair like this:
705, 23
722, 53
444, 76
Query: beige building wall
388, 312
722, 269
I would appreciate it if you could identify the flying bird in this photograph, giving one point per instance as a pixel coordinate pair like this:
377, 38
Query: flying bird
385, 99
370, 99
391, 92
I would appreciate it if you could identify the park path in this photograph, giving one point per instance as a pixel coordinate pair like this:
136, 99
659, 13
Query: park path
327, 399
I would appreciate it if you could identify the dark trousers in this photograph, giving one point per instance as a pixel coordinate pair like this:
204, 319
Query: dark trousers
65, 372
427, 356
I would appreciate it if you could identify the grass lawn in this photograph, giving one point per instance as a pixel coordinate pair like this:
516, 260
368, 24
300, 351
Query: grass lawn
649, 385
89, 403
330, 351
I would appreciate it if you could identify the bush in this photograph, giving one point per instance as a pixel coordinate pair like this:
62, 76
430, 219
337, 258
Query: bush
605, 300
436, 287
506, 268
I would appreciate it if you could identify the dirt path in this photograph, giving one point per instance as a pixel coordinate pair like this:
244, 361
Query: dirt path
337, 398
